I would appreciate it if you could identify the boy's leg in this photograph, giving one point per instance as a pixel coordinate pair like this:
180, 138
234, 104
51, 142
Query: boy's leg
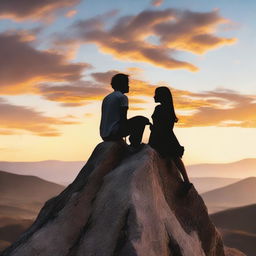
135, 128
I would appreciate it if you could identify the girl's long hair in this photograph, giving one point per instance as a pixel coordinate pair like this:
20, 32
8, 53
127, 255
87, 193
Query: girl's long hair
166, 97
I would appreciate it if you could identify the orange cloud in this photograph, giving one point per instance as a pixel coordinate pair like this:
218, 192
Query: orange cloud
130, 38
81, 92
73, 95
71, 13
221, 107
230, 109
15, 119
157, 2
211, 108
22, 66
20, 10
193, 32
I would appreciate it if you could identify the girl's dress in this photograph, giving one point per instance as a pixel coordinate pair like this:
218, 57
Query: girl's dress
162, 137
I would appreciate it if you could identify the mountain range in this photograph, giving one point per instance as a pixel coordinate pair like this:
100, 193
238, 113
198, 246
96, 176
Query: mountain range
238, 228
237, 194
205, 184
64, 172
240, 169
21, 198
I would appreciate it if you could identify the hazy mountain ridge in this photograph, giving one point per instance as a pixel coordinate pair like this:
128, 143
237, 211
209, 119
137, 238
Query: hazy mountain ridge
21, 198
205, 184
238, 228
20, 190
11, 229
64, 172
238, 194
239, 169
61, 172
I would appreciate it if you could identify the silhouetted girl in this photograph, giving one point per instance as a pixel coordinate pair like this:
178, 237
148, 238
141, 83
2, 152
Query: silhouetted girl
162, 137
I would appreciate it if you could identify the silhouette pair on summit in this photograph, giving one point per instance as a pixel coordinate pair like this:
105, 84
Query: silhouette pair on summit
115, 125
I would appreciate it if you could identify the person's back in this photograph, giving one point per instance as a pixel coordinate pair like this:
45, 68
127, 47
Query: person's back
111, 113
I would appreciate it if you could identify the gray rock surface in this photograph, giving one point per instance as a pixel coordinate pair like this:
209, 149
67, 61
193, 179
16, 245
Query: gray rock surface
122, 204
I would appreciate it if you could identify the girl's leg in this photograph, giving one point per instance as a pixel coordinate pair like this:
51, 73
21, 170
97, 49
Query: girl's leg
180, 165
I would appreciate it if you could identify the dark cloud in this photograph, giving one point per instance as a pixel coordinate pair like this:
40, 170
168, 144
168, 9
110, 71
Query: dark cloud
129, 38
15, 119
22, 66
33, 9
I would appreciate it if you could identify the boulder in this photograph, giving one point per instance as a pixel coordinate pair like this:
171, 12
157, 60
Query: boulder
123, 203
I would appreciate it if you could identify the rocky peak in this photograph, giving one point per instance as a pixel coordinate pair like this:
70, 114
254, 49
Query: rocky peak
123, 204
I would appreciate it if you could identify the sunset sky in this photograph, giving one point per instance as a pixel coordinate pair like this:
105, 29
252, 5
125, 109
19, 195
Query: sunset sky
57, 59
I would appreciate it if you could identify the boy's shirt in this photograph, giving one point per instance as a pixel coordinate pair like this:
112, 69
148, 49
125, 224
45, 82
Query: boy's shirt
111, 113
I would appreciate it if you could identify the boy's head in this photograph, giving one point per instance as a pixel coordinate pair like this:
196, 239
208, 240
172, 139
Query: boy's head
120, 82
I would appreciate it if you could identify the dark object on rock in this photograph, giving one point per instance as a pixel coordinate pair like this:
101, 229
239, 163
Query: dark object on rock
122, 205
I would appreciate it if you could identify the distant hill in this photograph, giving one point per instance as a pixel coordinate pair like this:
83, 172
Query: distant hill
240, 169
64, 172
11, 229
23, 196
61, 172
205, 184
241, 218
238, 194
238, 228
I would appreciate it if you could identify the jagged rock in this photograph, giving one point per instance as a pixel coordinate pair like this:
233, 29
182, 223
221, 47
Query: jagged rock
122, 204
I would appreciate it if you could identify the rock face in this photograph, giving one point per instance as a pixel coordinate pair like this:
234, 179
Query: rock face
123, 204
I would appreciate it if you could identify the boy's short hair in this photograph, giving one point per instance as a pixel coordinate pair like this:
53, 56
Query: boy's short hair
118, 80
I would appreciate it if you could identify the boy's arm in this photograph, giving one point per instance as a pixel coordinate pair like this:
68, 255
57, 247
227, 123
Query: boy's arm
124, 115
124, 108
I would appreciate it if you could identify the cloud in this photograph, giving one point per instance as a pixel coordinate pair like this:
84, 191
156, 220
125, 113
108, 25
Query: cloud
20, 10
83, 92
157, 2
15, 119
104, 77
74, 94
220, 107
152, 36
224, 108
71, 13
193, 32
22, 66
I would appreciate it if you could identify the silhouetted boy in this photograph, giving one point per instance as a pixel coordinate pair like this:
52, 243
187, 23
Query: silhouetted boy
114, 124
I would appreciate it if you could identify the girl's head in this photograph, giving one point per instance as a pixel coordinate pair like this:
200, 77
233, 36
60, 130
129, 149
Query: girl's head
163, 95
